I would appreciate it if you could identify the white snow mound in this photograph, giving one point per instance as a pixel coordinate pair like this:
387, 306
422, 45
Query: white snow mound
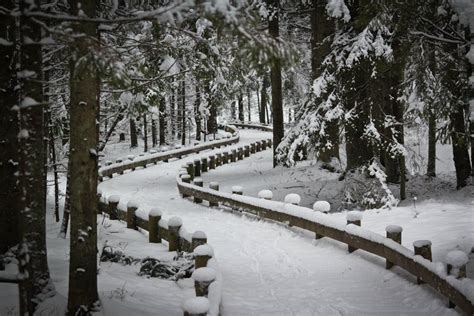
204, 250
293, 198
265, 194
196, 305
322, 206
353, 216
204, 275
393, 229
114, 199
175, 221
457, 258
154, 212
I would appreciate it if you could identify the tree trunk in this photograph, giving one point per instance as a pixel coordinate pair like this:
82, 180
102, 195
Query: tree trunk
52, 149
162, 121
32, 161
172, 118
277, 99
133, 133
145, 133
183, 111
67, 204
9, 193
154, 141
212, 120
460, 147
84, 96
431, 170
197, 113
249, 104
241, 108
263, 100
233, 111
111, 130
323, 28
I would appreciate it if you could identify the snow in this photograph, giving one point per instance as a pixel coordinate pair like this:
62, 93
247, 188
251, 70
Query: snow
175, 221
204, 275
199, 234
353, 216
457, 258
237, 189
321, 206
293, 198
204, 250
133, 203
114, 198
265, 194
155, 212
421, 243
338, 9
393, 229
196, 305
287, 271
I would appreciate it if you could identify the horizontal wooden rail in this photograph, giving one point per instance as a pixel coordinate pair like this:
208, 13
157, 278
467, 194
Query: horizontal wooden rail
249, 125
119, 168
458, 291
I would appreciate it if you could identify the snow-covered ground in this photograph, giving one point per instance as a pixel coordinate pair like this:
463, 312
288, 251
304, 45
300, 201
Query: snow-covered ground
268, 269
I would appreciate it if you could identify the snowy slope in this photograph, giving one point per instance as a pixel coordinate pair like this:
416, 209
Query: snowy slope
269, 269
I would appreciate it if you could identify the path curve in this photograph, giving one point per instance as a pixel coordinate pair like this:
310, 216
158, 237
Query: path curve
270, 270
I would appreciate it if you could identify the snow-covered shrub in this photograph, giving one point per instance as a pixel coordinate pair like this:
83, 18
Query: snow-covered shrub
366, 187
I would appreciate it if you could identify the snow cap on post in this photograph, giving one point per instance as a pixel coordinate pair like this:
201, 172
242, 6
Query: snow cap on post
265, 194
204, 250
175, 221
354, 216
392, 229
237, 189
293, 198
457, 258
322, 206
132, 204
155, 212
199, 234
196, 306
114, 199
204, 275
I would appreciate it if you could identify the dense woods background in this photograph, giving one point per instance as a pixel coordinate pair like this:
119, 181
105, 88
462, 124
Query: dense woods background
340, 82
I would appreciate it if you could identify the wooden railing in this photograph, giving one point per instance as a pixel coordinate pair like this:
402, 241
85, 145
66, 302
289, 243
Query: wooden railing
119, 168
459, 291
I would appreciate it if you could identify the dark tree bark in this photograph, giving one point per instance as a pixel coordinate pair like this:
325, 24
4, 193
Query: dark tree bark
241, 108
263, 100
9, 193
154, 140
145, 133
459, 139
172, 118
52, 150
117, 119
32, 161
212, 119
133, 133
84, 96
162, 121
233, 111
249, 105
183, 111
431, 169
277, 98
322, 29
197, 112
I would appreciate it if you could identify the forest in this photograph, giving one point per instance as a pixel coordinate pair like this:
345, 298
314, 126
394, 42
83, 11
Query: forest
341, 109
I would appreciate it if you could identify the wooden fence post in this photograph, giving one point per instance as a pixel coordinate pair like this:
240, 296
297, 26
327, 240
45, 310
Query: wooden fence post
233, 155
422, 248
258, 146
456, 262
132, 206
240, 153
212, 162
394, 232
218, 160
113, 206
199, 238
203, 277
225, 158
246, 151
202, 254
252, 148
174, 225
214, 186
355, 218
154, 217
190, 168
236, 189
199, 182
197, 167
204, 164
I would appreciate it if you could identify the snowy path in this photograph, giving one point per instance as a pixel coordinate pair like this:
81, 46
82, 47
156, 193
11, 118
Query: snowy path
270, 270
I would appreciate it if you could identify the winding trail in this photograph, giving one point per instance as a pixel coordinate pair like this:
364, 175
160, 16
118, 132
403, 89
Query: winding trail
271, 270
